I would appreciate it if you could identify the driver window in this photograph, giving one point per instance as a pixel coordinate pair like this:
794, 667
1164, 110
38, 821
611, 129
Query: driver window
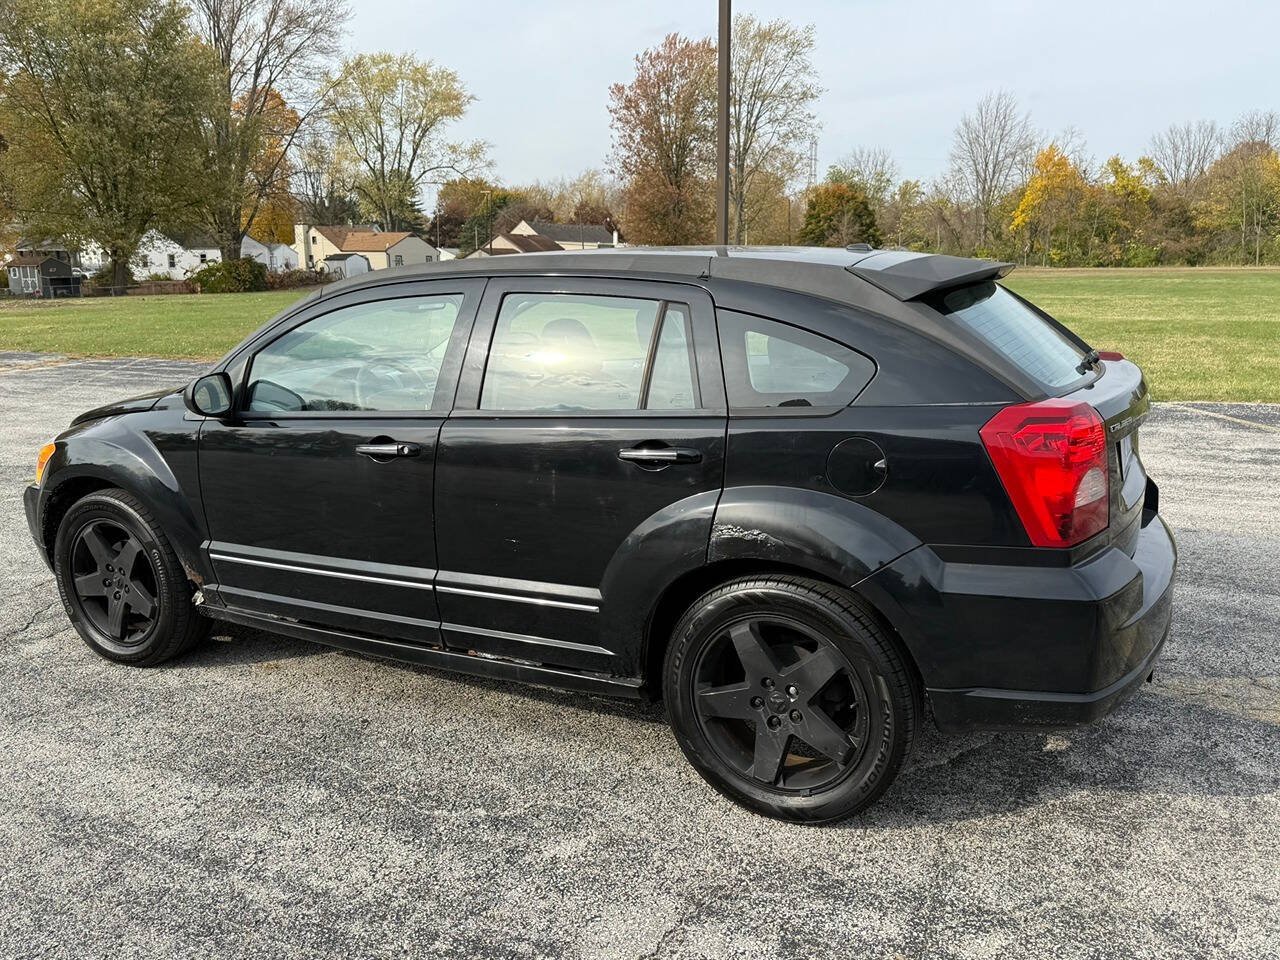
380, 356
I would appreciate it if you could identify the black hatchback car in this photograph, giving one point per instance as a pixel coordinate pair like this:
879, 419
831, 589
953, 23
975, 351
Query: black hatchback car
803, 495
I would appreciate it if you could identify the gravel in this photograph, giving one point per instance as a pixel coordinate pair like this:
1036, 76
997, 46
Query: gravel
265, 797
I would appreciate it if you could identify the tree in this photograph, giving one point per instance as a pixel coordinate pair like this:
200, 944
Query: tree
269, 52
321, 182
991, 147
1183, 153
1243, 200
101, 110
838, 215
771, 95
1052, 197
663, 147
390, 113
871, 170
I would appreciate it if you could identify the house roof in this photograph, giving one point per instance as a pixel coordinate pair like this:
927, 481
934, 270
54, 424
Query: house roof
366, 241
28, 261
345, 256
573, 232
363, 238
527, 243
190, 240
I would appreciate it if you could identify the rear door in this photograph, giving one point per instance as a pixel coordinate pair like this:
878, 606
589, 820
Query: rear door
589, 412
318, 491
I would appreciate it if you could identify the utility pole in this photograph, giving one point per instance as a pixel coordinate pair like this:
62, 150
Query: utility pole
722, 125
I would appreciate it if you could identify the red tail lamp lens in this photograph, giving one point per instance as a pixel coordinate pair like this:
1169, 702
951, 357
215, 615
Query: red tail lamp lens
1052, 459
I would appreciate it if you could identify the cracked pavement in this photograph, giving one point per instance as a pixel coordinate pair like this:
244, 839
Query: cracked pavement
264, 797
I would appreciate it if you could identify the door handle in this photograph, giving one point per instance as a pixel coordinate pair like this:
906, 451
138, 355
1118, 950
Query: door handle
661, 455
380, 451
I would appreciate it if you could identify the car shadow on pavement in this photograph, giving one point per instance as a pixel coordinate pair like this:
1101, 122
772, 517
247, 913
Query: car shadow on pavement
1159, 743
235, 644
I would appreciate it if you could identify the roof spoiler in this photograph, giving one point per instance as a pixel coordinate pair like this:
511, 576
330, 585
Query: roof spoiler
908, 278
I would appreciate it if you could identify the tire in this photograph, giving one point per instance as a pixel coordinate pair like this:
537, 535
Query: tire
121, 583
760, 667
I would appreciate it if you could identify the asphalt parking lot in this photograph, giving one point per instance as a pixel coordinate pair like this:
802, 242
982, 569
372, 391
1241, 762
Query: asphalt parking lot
268, 798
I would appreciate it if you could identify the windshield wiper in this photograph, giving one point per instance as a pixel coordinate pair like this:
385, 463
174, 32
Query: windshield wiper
1090, 360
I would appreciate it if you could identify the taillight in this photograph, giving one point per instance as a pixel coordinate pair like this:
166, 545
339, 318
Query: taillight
1110, 355
1052, 459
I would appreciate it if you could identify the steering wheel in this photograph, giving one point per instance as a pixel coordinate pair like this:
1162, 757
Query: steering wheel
387, 373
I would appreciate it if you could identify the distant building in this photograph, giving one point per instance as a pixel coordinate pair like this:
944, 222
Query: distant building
515, 243
448, 253
570, 236
175, 255
345, 264
276, 257
36, 275
315, 244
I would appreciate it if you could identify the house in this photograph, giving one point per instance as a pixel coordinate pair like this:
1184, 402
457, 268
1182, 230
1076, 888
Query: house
34, 247
276, 257
448, 253
315, 244
176, 255
570, 236
515, 243
36, 275
173, 255
345, 264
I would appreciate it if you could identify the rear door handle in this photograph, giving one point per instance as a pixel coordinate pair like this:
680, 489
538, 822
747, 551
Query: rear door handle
380, 450
661, 455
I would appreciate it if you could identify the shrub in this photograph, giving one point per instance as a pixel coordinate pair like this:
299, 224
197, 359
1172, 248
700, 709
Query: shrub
104, 277
244, 275
289, 279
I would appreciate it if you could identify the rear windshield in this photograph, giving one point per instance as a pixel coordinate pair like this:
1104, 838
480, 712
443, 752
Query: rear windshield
1036, 346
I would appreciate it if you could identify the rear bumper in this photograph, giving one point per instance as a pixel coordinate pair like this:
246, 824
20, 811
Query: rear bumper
1006, 646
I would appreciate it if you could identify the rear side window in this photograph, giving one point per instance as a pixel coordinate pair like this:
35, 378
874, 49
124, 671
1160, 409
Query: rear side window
554, 352
1033, 344
771, 364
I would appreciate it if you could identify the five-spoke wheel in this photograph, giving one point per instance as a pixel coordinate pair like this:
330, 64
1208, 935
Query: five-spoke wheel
781, 702
114, 581
791, 697
125, 590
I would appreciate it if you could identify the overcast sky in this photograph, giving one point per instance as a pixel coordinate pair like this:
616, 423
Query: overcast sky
897, 74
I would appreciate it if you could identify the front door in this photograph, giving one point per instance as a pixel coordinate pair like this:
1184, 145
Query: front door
585, 454
318, 492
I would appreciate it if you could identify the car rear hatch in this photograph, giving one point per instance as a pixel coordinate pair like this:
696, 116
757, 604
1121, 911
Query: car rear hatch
1055, 363
1120, 396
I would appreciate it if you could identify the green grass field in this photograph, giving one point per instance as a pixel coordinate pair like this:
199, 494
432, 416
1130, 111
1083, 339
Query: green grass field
178, 326
1200, 334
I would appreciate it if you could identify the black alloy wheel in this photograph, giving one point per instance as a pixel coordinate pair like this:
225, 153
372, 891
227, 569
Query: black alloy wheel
791, 696
115, 584
123, 587
781, 703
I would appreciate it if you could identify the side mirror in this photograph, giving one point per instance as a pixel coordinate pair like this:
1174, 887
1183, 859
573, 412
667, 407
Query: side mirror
209, 396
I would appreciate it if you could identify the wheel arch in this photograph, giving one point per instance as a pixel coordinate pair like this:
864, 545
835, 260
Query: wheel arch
686, 588
83, 465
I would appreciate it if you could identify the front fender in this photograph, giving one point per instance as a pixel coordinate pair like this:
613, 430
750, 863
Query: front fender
834, 536
150, 454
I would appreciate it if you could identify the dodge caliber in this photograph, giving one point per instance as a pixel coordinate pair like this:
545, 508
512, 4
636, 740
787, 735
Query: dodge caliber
812, 499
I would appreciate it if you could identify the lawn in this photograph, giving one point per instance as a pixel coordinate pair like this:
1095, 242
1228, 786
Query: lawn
1199, 334
186, 326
